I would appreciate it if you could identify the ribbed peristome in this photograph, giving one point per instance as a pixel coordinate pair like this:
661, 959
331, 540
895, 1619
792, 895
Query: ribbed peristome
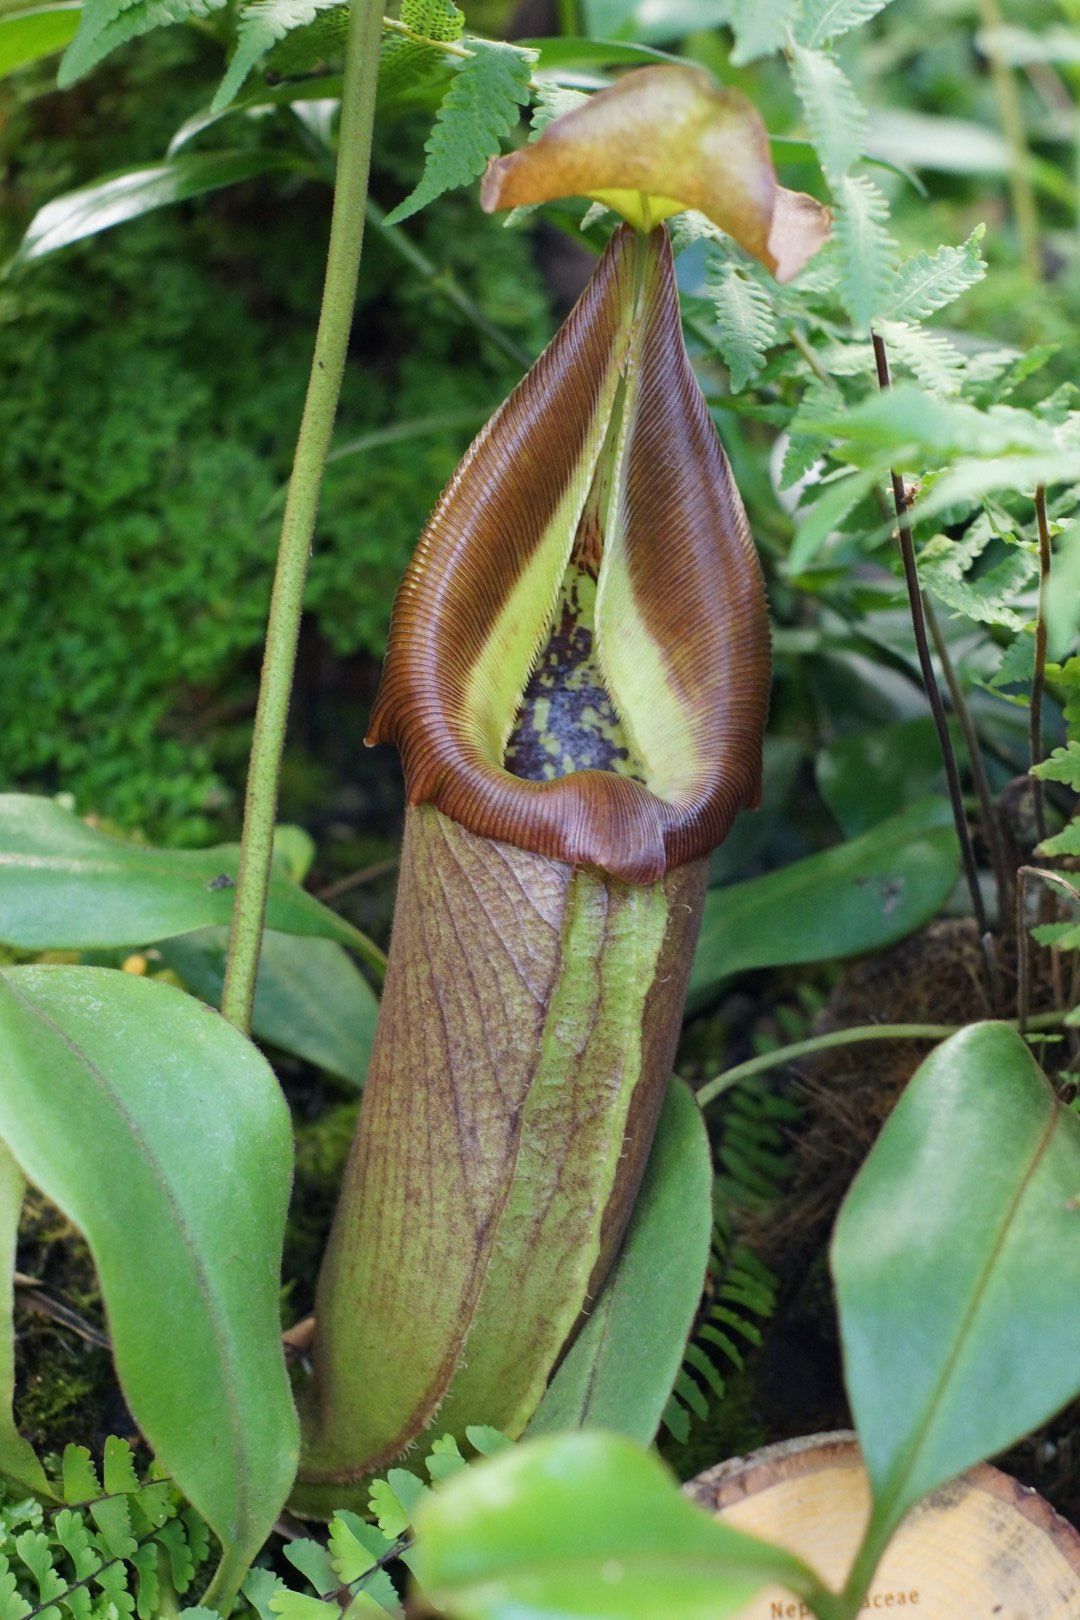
609, 428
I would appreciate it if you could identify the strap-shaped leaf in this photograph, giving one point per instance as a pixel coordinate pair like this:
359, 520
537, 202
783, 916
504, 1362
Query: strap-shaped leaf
67, 886
161, 1132
609, 431
620, 1369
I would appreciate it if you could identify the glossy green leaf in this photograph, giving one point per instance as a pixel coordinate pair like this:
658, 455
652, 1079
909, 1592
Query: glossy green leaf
957, 1266
67, 886
310, 999
26, 36
868, 776
162, 1134
19, 1465
861, 895
585, 1525
564, 51
134, 192
621, 1368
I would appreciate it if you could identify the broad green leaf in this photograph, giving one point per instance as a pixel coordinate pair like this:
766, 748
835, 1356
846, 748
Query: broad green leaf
746, 325
928, 281
260, 27
866, 777
1022, 47
621, 1367
134, 192
585, 1525
67, 886
479, 109
1063, 597
19, 1465
309, 997
327, 88
26, 36
925, 141
861, 895
867, 250
561, 51
162, 1134
822, 517
956, 1251
105, 24
834, 114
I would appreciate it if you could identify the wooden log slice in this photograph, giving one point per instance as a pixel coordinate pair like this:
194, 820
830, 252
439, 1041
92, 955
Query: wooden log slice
981, 1548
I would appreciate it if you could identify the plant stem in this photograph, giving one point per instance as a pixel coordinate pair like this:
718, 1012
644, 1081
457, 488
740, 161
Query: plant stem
301, 506
1038, 680
988, 812
783, 1055
1022, 192
937, 708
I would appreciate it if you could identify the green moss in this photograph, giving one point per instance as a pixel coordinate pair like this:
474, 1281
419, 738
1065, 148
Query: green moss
322, 1146
153, 381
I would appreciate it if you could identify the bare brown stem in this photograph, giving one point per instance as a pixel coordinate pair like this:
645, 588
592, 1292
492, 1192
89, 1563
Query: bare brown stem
933, 693
1038, 679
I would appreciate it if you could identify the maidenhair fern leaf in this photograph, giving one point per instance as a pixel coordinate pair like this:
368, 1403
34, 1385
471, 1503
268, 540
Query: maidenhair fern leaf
1062, 766
34, 1548
867, 250
79, 1477
355, 1547
118, 1467
261, 26
486, 1440
745, 321
148, 1582
1066, 842
822, 21
394, 1501
444, 1460
13, 1606
289, 1604
936, 363
479, 109
928, 281
105, 24
835, 117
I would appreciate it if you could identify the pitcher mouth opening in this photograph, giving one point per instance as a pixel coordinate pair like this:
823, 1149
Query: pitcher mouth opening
579, 659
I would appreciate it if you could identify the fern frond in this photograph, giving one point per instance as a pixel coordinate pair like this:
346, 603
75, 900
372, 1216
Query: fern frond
394, 1499
99, 1557
746, 324
106, 24
403, 59
928, 281
260, 28
478, 111
867, 250
932, 360
835, 117
988, 598
760, 27
822, 21
740, 1289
